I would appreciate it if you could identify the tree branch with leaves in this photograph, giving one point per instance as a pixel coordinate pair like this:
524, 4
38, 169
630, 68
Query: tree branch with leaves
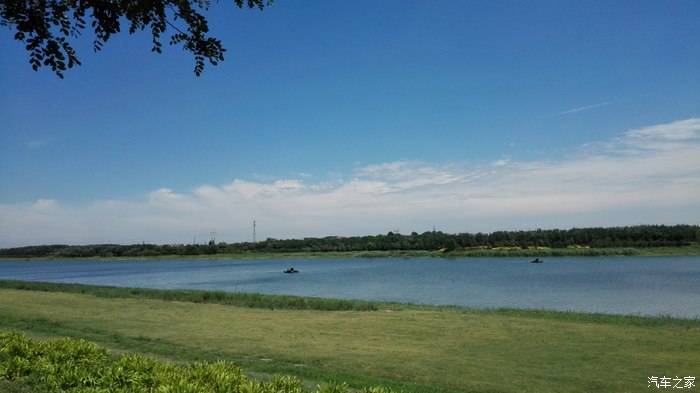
46, 26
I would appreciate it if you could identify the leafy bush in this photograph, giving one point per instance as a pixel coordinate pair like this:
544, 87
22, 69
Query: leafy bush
57, 365
284, 384
223, 377
333, 387
377, 389
78, 366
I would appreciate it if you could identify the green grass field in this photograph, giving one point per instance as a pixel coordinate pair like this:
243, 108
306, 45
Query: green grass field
416, 349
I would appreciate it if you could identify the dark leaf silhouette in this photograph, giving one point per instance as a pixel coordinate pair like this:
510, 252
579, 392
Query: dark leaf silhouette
44, 27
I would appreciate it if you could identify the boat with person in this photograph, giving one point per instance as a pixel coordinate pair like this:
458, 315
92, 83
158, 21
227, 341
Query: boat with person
291, 270
536, 260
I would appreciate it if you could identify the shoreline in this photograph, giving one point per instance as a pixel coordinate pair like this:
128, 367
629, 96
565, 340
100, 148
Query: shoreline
690, 250
298, 303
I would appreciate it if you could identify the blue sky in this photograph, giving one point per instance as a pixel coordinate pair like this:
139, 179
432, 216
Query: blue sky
353, 118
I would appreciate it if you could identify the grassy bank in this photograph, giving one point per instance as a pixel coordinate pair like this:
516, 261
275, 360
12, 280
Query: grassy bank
417, 349
250, 300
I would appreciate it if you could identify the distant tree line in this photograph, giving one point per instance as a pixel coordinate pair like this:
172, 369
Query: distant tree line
641, 236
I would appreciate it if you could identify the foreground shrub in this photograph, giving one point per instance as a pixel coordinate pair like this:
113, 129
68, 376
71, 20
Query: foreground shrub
284, 384
333, 387
57, 365
136, 373
68, 363
16, 355
78, 366
221, 377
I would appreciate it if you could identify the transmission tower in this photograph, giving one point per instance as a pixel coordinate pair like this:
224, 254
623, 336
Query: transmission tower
254, 232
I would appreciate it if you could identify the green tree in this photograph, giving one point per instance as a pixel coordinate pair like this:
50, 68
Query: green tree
45, 26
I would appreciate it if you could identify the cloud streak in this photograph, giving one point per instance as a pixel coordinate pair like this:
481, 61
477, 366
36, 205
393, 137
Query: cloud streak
646, 175
36, 144
583, 108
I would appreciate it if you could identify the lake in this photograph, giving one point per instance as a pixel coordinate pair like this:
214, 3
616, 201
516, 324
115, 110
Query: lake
613, 285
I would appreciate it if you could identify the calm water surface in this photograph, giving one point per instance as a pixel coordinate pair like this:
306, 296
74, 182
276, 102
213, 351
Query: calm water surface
616, 285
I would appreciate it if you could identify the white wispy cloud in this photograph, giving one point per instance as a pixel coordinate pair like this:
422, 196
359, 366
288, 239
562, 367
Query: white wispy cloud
645, 175
583, 108
36, 144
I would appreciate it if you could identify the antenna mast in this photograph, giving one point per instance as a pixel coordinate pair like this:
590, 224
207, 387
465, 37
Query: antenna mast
254, 232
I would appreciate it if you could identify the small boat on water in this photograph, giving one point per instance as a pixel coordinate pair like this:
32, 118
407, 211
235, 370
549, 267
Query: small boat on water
291, 270
536, 260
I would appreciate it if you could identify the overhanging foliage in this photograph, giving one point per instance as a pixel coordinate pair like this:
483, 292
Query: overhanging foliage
45, 27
